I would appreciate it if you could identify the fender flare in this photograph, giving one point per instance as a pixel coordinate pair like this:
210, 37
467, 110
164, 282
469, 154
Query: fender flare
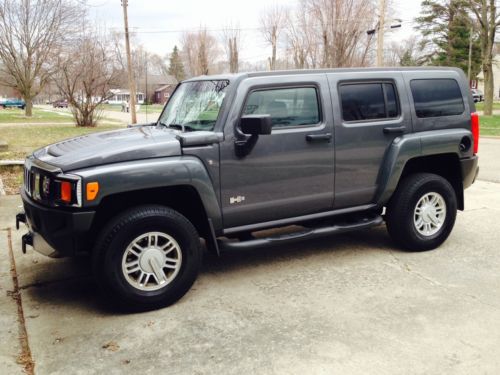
154, 173
415, 145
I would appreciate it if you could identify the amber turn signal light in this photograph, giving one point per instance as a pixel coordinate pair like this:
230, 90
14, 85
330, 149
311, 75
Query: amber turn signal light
92, 190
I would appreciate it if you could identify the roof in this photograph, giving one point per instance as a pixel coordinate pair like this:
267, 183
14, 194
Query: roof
123, 92
158, 79
164, 87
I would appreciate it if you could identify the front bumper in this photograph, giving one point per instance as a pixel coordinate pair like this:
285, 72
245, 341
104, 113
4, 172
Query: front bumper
470, 170
56, 232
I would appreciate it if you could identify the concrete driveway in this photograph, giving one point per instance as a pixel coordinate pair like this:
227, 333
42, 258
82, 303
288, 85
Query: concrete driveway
348, 304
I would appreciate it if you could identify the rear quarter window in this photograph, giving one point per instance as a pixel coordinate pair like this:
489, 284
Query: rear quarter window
437, 97
369, 101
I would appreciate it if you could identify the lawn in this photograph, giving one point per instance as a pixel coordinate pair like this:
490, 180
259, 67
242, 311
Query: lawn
480, 106
490, 125
15, 115
43, 116
153, 108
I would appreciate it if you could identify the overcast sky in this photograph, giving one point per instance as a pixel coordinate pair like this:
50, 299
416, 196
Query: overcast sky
159, 24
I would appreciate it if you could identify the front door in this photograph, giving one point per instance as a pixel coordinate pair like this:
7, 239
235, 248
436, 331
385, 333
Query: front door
289, 172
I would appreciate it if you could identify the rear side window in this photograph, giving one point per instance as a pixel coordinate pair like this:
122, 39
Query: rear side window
437, 97
287, 107
368, 101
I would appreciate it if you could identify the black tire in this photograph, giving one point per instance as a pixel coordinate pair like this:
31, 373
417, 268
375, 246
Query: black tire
401, 211
120, 232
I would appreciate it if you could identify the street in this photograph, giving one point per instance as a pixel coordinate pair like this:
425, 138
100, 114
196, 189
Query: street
346, 304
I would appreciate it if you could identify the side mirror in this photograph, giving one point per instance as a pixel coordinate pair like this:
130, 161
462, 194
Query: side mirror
256, 124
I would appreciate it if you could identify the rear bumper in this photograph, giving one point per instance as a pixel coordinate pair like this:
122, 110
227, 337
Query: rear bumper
56, 232
470, 169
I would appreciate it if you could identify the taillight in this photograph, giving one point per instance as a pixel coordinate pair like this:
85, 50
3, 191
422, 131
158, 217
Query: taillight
474, 117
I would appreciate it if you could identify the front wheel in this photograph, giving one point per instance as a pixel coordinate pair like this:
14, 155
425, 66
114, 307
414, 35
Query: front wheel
148, 257
422, 212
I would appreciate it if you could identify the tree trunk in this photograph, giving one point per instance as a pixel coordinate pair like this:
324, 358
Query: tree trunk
488, 87
28, 110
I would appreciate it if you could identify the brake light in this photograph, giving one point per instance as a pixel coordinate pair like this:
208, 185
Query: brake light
474, 117
66, 191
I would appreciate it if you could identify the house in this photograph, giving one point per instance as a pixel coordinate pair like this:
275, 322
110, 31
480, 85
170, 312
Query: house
496, 78
162, 94
154, 82
118, 96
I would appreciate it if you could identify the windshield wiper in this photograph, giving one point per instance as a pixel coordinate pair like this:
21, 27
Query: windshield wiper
184, 128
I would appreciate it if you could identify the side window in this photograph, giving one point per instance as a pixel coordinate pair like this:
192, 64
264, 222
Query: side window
437, 97
368, 101
287, 107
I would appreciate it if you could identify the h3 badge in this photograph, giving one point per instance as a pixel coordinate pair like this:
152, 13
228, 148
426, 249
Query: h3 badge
237, 199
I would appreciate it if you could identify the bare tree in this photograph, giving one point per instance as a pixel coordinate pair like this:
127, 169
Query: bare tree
86, 74
272, 22
488, 19
408, 52
200, 50
231, 43
31, 34
341, 29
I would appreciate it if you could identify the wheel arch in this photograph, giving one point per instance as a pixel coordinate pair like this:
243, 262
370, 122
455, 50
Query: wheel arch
445, 165
184, 199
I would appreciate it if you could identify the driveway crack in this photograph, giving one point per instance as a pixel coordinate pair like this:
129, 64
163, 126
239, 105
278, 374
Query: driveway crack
25, 358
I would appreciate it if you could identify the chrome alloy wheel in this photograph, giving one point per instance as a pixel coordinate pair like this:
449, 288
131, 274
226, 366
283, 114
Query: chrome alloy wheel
151, 261
430, 214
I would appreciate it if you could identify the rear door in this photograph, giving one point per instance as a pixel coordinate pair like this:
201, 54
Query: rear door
371, 109
289, 172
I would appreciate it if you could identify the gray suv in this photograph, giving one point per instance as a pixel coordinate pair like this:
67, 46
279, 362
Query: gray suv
328, 151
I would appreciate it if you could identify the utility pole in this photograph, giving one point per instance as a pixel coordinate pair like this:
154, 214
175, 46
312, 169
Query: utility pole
131, 80
380, 36
469, 66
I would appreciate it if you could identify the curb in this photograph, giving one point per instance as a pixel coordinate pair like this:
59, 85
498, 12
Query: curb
8, 163
2, 190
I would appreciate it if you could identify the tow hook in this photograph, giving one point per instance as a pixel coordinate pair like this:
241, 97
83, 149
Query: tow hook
27, 239
20, 218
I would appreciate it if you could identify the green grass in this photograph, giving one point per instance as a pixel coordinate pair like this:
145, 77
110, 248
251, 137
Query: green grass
22, 140
152, 108
489, 125
480, 106
16, 115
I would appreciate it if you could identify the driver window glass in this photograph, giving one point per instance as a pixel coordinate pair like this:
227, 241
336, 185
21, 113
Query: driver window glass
287, 107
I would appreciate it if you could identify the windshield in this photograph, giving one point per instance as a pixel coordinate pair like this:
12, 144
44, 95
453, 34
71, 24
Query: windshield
195, 105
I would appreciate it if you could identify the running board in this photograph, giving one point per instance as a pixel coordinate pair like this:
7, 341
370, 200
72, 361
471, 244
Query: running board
301, 235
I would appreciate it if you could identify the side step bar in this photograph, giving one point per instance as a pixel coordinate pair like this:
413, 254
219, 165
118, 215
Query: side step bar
301, 235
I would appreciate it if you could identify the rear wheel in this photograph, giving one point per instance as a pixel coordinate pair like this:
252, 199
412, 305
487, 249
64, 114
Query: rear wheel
422, 212
147, 257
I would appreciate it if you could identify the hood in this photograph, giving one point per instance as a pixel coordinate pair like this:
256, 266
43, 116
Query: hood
141, 142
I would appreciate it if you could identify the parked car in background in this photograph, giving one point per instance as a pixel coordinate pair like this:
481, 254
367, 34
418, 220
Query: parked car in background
60, 103
477, 95
12, 103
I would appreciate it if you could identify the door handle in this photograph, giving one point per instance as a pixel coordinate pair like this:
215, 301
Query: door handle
319, 137
394, 130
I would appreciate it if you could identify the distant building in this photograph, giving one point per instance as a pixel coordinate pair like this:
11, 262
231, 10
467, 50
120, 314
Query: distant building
153, 83
162, 94
118, 96
496, 78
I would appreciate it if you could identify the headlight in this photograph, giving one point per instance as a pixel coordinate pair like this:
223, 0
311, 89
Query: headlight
68, 190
